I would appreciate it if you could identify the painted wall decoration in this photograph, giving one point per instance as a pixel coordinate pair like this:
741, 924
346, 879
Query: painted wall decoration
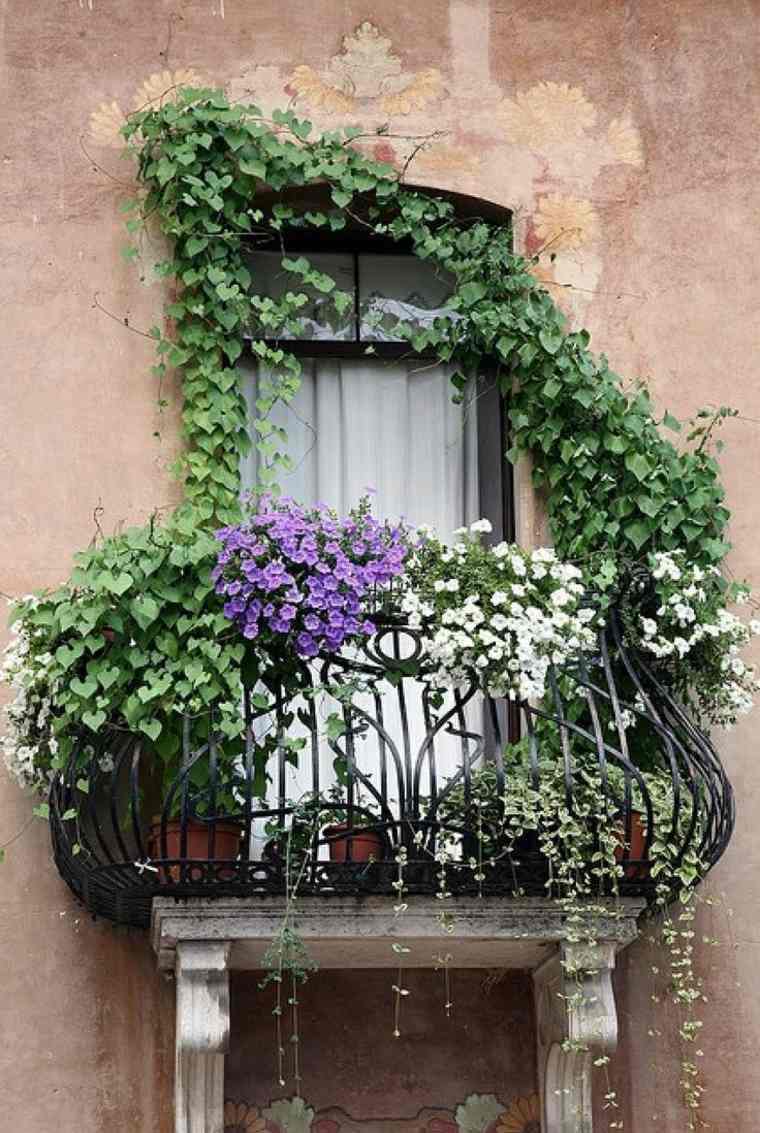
365, 76
108, 118
539, 148
478, 1113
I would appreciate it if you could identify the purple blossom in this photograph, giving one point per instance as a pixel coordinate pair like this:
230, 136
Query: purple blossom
303, 575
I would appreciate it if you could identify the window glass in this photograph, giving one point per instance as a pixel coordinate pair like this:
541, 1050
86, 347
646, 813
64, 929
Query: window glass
387, 290
319, 318
396, 289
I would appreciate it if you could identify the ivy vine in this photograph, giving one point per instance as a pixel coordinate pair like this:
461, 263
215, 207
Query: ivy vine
136, 637
613, 481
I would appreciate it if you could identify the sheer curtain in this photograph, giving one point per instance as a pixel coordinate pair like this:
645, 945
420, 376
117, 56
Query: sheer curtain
391, 428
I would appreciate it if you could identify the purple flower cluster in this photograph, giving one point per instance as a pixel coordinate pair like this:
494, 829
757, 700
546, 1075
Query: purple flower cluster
305, 574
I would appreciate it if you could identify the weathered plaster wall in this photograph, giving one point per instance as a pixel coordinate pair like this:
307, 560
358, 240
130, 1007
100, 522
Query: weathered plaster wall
475, 1066
624, 137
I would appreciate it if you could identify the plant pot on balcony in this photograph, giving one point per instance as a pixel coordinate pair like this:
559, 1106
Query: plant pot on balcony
365, 845
637, 850
227, 837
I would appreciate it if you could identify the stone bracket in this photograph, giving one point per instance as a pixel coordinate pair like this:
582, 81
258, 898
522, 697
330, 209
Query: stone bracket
201, 940
576, 1019
202, 1035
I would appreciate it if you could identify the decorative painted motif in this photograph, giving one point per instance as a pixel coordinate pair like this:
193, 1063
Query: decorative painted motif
366, 71
564, 222
539, 148
625, 141
242, 1118
523, 1116
159, 88
479, 1113
547, 113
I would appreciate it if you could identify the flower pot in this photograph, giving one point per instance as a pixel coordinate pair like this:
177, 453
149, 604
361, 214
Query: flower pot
637, 849
365, 844
227, 837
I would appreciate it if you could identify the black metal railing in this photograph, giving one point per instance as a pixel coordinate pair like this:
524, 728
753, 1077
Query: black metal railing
367, 759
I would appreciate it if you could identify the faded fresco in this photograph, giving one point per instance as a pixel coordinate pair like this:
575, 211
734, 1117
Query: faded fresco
478, 1113
472, 1071
539, 149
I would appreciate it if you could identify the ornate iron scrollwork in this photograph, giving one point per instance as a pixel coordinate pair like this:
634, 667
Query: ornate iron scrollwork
400, 752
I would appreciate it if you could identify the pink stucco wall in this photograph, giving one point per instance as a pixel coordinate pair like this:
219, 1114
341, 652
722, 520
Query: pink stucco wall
628, 128
356, 1074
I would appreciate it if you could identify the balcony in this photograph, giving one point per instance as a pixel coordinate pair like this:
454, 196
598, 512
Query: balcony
388, 769
369, 794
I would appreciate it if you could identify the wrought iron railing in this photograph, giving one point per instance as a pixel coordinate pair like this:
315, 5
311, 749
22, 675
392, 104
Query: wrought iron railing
385, 762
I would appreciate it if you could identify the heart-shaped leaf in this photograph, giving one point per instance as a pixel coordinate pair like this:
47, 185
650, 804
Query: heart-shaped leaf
152, 728
94, 720
66, 655
145, 610
107, 677
85, 688
121, 583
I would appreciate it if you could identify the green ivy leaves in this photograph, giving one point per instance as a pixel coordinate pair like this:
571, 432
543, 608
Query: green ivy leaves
137, 638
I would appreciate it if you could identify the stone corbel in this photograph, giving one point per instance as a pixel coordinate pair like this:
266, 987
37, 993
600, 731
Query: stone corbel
202, 1035
577, 1022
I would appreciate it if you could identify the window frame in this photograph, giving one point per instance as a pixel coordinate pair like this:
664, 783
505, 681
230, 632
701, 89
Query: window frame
496, 486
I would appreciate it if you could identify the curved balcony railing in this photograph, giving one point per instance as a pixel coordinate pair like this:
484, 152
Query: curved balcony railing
392, 764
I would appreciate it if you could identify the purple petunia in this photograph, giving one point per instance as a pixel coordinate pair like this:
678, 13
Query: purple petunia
304, 575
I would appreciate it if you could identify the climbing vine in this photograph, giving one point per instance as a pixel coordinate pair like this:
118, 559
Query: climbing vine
115, 639
137, 637
613, 481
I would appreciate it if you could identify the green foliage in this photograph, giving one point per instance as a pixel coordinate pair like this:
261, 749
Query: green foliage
615, 487
136, 637
613, 483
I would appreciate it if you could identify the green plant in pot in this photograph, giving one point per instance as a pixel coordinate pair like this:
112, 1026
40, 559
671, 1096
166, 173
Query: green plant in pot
353, 832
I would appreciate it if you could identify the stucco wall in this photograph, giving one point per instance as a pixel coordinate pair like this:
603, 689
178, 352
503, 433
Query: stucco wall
358, 1078
623, 134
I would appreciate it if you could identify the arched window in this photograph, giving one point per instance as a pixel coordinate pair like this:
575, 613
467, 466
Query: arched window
371, 413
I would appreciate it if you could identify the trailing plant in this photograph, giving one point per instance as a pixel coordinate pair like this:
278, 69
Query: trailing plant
287, 960
138, 638
583, 847
496, 616
679, 616
135, 638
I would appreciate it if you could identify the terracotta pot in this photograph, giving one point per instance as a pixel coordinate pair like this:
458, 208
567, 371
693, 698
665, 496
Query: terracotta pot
365, 844
226, 842
637, 848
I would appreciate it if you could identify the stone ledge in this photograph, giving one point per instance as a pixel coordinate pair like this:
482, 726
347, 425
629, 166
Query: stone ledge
357, 932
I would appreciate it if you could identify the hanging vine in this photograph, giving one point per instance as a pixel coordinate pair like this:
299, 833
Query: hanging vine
137, 638
115, 638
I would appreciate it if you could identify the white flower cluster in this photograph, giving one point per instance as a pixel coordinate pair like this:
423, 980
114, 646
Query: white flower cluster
28, 713
498, 615
690, 619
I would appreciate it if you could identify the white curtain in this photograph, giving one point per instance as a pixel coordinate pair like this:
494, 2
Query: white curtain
392, 428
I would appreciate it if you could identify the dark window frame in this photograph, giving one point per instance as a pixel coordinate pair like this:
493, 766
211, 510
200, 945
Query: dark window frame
495, 473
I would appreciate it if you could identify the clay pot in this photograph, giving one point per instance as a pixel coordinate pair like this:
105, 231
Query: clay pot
365, 844
226, 842
637, 849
